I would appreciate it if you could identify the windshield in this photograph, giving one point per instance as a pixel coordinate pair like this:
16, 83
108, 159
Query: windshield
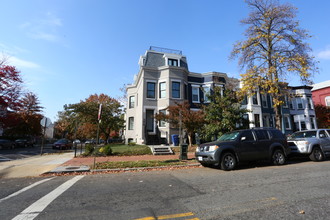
304, 134
229, 136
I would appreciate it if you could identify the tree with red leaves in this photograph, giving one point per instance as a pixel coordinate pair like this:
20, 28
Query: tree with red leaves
10, 86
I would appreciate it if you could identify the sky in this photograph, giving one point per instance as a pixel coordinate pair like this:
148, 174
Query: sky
67, 50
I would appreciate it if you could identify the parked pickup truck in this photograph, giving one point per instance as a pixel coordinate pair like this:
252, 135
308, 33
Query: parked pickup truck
315, 143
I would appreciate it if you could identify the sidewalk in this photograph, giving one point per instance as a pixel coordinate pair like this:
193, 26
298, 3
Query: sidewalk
65, 162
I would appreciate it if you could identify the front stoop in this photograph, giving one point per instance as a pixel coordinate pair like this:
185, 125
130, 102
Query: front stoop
161, 149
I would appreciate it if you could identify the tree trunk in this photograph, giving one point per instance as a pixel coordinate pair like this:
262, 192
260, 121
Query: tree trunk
189, 139
278, 117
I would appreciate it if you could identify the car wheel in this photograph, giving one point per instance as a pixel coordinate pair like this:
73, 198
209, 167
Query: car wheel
317, 154
278, 157
228, 161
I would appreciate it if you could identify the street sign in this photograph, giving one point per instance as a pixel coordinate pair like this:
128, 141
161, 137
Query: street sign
45, 122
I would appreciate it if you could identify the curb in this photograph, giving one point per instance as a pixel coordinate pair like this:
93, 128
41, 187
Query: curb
86, 169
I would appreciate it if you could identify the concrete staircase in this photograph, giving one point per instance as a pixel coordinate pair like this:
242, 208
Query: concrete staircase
161, 149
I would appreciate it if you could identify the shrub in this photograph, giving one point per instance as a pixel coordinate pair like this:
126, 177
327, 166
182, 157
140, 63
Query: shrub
131, 143
89, 149
106, 150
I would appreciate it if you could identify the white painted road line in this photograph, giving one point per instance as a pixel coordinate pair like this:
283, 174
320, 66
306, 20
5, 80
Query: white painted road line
36, 208
25, 189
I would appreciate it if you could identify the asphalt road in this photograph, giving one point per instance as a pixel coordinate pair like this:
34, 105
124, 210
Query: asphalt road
300, 190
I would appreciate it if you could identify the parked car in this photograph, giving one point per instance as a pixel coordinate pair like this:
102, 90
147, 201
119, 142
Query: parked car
4, 143
314, 143
62, 144
24, 143
244, 145
90, 141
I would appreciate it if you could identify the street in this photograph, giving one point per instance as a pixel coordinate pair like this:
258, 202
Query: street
294, 191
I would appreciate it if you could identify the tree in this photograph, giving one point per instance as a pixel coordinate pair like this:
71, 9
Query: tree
191, 120
10, 86
274, 50
83, 116
323, 116
25, 121
223, 113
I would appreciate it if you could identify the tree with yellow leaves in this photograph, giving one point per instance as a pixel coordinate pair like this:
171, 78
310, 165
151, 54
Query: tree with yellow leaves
274, 50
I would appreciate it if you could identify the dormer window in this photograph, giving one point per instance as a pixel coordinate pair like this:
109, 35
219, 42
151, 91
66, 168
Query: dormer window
173, 62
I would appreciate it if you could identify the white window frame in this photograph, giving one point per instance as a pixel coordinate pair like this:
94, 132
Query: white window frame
206, 99
160, 91
130, 123
327, 101
130, 102
162, 123
192, 93
264, 100
287, 117
301, 101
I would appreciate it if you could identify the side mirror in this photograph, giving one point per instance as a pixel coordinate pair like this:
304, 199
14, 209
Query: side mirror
243, 138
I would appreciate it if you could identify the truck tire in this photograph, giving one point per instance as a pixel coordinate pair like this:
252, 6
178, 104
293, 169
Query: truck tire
228, 161
316, 155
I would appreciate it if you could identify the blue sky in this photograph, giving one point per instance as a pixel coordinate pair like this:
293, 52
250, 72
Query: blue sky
67, 50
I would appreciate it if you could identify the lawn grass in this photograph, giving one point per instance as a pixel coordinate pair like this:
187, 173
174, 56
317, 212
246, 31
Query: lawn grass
129, 150
147, 163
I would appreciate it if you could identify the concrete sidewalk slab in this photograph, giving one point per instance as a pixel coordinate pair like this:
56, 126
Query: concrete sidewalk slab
33, 166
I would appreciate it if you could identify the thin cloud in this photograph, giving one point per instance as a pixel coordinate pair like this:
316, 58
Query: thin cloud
22, 63
46, 28
324, 54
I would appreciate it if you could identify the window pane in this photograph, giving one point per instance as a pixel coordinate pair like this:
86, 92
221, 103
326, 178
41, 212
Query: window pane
195, 94
161, 122
162, 90
150, 90
130, 123
175, 90
131, 101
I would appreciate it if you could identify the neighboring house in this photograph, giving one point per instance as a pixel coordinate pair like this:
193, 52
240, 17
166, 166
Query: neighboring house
297, 111
321, 93
163, 79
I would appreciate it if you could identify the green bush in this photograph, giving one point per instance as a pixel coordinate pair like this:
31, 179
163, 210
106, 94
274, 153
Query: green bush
131, 143
89, 149
106, 150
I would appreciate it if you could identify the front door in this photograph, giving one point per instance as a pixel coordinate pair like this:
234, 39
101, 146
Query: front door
150, 120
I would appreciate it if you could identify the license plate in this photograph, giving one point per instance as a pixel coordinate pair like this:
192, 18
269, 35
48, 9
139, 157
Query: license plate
200, 158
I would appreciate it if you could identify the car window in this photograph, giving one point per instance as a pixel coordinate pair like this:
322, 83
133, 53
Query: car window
248, 136
277, 134
328, 130
229, 136
304, 134
323, 134
262, 134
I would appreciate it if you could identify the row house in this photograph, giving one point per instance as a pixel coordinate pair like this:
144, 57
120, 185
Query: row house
164, 79
297, 111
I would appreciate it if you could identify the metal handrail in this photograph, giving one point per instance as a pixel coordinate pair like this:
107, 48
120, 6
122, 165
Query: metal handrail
165, 50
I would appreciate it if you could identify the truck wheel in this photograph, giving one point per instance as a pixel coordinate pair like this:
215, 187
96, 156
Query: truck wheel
228, 162
278, 157
316, 155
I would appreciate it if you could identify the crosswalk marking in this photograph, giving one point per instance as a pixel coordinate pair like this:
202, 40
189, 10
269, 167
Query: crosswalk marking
25, 189
36, 208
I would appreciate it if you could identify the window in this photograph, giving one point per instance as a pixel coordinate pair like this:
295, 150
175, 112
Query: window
151, 90
131, 101
312, 118
286, 102
248, 136
185, 91
162, 90
287, 122
173, 62
207, 91
195, 93
130, 123
303, 125
245, 100
323, 134
299, 103
291, 103
327, 101
255, 99
257, 120
310, 103
162, 123
262, 134
264, 100
176, 90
